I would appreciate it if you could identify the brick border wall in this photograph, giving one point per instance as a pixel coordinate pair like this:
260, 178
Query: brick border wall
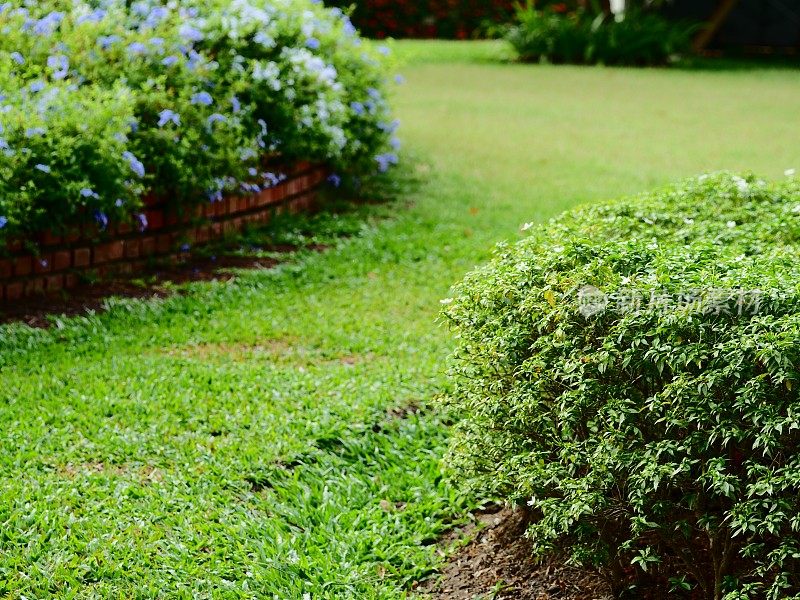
123, 250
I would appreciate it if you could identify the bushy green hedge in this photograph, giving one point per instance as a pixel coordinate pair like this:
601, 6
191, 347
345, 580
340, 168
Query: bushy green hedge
631, 371
582, 36
102, 101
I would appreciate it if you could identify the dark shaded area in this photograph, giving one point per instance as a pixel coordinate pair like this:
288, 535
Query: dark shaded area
752, 27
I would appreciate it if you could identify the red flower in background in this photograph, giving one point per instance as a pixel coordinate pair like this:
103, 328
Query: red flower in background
455, 19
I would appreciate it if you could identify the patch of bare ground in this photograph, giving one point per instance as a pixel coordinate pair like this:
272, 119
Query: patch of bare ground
498, 564
283, 350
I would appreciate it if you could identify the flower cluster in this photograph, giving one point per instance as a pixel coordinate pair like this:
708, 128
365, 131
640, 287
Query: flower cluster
454, 19
103, 101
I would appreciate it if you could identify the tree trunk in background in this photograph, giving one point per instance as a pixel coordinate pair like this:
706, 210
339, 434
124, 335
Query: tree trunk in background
715, 22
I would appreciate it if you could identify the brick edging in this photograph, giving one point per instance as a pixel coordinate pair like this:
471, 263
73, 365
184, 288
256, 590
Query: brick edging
123, 250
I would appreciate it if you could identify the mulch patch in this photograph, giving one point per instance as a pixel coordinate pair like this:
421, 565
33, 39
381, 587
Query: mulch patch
156, 282
498, 564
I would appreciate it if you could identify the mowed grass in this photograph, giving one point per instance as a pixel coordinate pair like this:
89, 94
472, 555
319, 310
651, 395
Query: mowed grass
252, 439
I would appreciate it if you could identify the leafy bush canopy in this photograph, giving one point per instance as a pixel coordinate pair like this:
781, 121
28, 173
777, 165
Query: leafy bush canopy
103, 101
631, 372
559, 35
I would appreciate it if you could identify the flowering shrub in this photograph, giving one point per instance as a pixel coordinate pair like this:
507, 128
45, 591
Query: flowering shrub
102, 102
559, 35
454, 19
632, 372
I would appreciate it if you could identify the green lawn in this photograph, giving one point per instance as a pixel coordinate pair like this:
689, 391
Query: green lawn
240, 440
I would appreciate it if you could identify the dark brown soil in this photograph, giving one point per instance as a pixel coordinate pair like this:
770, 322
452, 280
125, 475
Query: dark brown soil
158, 281
498, 564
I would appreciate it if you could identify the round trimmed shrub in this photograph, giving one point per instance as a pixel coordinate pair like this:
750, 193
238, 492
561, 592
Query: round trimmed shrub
631, 372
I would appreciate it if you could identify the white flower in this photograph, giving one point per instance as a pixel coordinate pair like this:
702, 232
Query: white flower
526, 226
446, 301
790, 172
731, 224
741, 184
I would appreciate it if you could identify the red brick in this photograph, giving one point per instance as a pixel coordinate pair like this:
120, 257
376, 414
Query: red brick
100, 254
70, 280
62, 260
23, 265
132, 248
34, 286
82, 257
155, 219
171, 219
116, 250
164, 243
48, 238
14, 291
43, 263
216, 230
55, 283
6, 268
124, 228
148, 246
14, 245
72, 236
201, 234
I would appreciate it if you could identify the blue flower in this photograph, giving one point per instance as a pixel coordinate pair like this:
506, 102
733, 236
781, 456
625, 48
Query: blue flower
89, 193
357, 107
43, 168
385, 161
167, 116
136, 48
136, 165
106, 40
156, 41
47, 24
101, 219
119, 202
203, 98
384, 50
237, 106
395, 143
185, 247
253, 171
216, 118
32, 131
3, 222
312, 43
59, 64
158, 14
335, 180
95, 16
399, 79
142, 220
18, 58
190, 34
374, 94
169, 61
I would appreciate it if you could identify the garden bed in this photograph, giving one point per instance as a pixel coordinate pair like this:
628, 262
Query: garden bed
64, 262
